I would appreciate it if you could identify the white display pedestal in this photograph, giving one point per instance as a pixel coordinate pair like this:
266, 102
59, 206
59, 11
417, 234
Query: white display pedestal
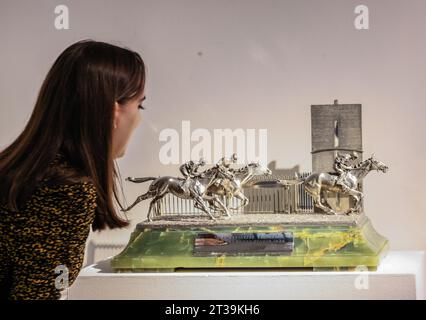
401, 275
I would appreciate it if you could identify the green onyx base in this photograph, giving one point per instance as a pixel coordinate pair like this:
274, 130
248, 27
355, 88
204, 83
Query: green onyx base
315, 248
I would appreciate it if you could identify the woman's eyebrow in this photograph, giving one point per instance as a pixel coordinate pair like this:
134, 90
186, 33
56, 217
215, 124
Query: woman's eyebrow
143, 98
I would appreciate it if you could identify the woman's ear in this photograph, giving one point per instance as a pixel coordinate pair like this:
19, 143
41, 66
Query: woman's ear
116, 114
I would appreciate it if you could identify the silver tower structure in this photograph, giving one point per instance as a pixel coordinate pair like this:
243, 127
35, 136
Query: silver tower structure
336, 128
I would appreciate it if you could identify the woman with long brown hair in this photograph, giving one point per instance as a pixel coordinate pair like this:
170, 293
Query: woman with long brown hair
59, 177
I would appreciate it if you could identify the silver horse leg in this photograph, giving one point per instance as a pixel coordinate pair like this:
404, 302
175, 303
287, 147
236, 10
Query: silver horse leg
151, 205
317, 200
358, 196
153, 202
218, 204
243, 198
145, 196
199, 201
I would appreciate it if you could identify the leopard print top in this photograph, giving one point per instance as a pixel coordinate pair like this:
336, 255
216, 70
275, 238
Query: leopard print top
42, 246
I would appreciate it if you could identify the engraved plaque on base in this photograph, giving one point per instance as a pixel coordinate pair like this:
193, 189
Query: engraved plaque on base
254, 243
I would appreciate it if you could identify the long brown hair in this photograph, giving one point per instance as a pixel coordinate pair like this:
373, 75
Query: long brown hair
73, 116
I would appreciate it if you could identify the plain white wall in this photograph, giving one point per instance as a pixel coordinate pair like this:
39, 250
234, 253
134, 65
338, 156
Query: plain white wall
248, 64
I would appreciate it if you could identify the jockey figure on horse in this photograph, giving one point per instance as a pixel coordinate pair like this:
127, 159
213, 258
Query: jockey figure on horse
342, 165
223, 171
190, 169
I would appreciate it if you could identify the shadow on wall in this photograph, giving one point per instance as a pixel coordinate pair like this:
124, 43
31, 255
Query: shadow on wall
287, 172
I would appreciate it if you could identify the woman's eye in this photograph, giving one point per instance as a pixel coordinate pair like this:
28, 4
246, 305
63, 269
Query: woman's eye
141, 107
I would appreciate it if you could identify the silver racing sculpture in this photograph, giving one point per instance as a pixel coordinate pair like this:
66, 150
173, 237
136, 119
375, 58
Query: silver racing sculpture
213, 189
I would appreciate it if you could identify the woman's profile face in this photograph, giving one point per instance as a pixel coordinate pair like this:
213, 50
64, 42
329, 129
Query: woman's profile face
126, 118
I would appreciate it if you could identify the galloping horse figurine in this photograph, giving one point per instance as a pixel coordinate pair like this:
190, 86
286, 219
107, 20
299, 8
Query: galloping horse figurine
181, 188
317, 184
232, 187
201, 188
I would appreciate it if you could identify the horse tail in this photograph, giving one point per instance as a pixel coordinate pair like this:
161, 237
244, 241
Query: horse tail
140, 180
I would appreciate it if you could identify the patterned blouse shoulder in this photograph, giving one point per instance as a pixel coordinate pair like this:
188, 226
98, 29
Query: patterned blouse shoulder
48, 233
